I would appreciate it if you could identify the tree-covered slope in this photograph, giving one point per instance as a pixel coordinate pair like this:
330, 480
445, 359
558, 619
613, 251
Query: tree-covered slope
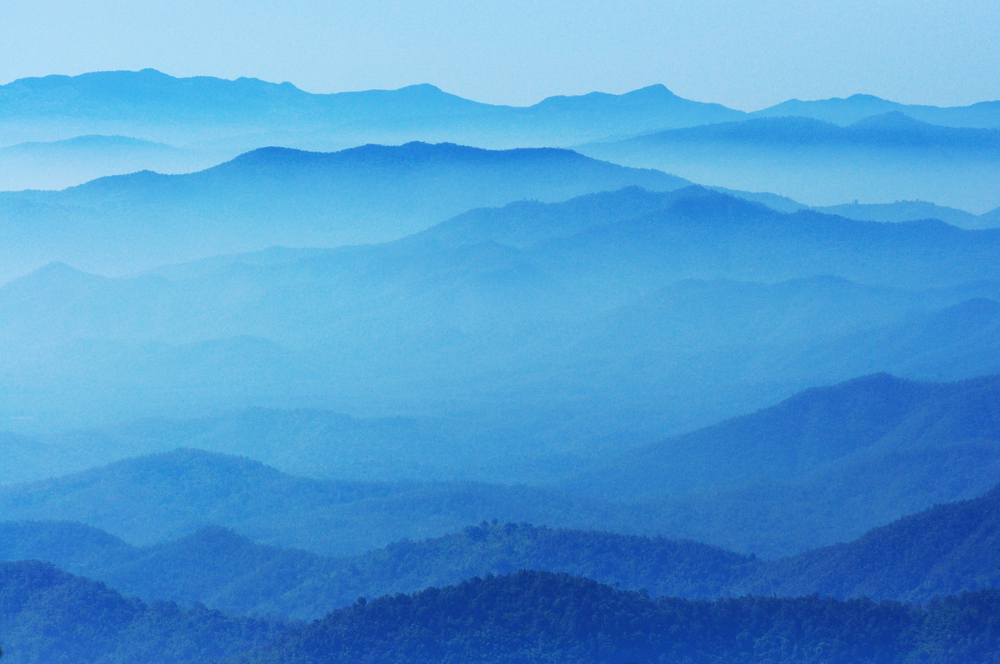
541, 617
47, 615
226, 571
945, 550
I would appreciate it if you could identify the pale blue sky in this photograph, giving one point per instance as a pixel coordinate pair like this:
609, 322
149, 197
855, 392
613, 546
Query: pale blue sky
745, 54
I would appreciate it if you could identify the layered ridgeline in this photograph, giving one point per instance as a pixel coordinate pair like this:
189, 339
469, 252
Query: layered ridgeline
946, 550
47, 615
608, 318
275, 196
155, 106
536, 617
824, 466
877, 159
248, 113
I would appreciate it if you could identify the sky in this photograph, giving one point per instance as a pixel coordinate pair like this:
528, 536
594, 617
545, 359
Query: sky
744, 54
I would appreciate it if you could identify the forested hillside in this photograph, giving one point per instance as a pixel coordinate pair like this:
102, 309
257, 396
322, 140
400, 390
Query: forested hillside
540, 617
47, 616
943, 551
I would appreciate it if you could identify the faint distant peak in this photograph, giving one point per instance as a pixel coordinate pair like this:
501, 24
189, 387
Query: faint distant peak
52, 275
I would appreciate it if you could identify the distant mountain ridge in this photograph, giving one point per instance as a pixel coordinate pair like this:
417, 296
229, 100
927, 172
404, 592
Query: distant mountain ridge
59, 164
884, 158
245, 112
283, 197
984, 115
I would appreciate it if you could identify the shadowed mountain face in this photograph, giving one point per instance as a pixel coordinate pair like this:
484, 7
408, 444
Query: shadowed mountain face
945, 550
821, 467
878, 160
287, 197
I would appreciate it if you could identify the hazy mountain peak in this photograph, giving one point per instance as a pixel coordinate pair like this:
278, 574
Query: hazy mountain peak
54, 274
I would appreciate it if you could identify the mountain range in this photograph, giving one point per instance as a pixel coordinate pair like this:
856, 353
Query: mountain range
611, 317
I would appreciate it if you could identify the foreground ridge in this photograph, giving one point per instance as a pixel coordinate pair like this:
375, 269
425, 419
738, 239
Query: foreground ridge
536, 617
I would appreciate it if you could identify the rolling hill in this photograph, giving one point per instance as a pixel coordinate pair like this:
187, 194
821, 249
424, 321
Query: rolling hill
946, 550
